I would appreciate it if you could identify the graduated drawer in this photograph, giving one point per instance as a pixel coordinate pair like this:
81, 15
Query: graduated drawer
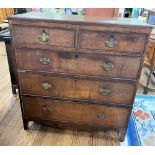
78, 63
115, 41
42, 36
67, 87
74, 112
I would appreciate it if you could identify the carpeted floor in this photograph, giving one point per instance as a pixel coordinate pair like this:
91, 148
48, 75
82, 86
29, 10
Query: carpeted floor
141, 127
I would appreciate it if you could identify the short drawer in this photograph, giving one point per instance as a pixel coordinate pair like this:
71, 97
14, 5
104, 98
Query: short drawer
35, 36
78, 63
74, 112
117, 42
67, 87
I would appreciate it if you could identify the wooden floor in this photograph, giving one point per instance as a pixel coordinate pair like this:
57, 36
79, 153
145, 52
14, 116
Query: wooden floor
11, 127
6, 97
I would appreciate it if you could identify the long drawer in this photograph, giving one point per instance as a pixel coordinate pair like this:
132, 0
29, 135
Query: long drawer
115, 41
67, 87
78, 63
35, 36
74, 112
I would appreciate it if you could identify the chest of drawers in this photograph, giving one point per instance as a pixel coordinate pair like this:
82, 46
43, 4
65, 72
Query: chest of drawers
78, 72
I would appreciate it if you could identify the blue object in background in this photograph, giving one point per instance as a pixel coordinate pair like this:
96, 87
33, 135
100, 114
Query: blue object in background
68, 11
135, 12
151, 19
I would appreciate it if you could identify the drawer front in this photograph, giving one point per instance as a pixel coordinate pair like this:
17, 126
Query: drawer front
114, 41
75, 112
63, 87
34, 36
81, 63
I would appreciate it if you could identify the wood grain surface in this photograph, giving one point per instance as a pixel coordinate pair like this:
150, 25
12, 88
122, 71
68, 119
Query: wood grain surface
78, 63
120, 92
74, 112
57, 36
125, 42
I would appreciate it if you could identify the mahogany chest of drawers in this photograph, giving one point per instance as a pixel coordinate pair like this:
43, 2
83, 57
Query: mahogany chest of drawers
78, 72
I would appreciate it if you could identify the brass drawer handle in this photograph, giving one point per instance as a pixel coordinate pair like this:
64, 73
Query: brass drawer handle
100, 115
46, 109
111, 42
105, 91
44, 37
108, 66
45, 60
46, 86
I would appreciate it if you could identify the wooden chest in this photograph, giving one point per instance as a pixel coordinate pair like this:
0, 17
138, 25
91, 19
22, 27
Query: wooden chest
78, 72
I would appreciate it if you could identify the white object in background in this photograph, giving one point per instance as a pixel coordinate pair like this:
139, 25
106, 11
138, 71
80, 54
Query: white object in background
121, 12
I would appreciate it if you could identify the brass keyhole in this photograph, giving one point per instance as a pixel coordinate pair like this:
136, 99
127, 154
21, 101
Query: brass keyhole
111, 42
44, 37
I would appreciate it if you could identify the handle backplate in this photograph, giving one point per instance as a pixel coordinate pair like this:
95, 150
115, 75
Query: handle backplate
46, 109
46, 85
111, 42
45, 60
108, 66
100, 115
104, 91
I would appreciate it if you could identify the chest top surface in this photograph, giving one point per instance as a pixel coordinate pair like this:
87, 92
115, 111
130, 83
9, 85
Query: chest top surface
124, 22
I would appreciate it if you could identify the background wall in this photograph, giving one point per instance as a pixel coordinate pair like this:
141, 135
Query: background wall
102, 12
